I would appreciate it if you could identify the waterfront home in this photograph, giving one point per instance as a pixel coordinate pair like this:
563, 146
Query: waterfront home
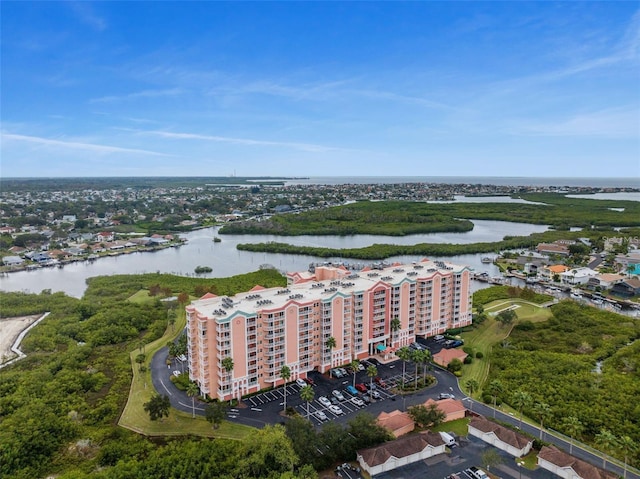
577, 276
627, 288
547, 273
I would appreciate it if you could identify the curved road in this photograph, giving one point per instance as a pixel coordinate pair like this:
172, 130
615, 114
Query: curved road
447, 382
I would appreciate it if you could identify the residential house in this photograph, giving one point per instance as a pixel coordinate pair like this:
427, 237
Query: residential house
568, 467
549, 272
553, 248
12, 260
625, 261
452, 408
498, 436
577, 276
397, 422
445, 356
627, 288
405, 450
604, 281
104, 237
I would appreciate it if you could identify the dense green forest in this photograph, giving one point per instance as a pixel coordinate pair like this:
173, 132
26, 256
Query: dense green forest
555, 363
400, 218
59, 406
382, 251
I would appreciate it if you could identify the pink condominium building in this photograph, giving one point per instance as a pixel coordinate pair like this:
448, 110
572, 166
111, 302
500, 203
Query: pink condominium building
263, 329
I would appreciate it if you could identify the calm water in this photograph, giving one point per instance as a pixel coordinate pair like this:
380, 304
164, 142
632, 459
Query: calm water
627, 182
226, 260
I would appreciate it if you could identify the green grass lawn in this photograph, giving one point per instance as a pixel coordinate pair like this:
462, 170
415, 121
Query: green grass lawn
178, 423
460, 427
141, 297
491, 332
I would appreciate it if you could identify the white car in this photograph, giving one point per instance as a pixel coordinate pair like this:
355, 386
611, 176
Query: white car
321, 416
375, 394
324, 401
357, 401
336, 410
338, 395
177, 373
300, 382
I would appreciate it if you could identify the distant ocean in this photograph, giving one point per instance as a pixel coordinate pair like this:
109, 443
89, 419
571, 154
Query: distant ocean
627, 182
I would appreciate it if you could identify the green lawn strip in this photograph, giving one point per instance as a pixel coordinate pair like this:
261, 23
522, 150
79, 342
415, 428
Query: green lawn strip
141, 297
491, 332
134, 416
460, 427
530, 460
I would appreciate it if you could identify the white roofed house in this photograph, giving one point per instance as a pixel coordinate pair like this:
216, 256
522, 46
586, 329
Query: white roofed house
577, 276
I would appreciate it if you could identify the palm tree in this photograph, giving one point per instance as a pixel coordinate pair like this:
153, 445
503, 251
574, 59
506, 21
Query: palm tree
543, 411
227, 365
607, 443
521, 399
495, 388
395, 327
417, 357
330, 344
192, 392
472, 386
307, 394
574, 427
627, 447
285, 374
355, 365
372, 372
404, 353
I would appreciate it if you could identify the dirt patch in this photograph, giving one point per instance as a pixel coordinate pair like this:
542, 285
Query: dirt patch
10, 329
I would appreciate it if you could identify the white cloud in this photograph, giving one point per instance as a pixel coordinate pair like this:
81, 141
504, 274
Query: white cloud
74, 145
84, 12
242, 141
609, 123
139, 94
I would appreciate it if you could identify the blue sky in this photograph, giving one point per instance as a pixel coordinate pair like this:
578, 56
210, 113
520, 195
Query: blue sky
320, 89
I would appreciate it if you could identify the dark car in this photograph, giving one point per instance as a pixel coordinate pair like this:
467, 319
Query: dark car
309, 381
361, 387
380, 382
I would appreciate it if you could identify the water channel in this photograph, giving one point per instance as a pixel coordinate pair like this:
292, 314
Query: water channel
226, 260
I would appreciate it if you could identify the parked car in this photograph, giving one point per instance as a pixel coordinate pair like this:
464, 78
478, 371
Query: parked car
321, 416
438, 337
324, 401
177, 373
366, 399
300, 382
361, 387
477, 473
417, 346
309, 381
376, 395
336, 373
357, 401
446, 396
343, 371
336, 410
338, 395
380, 382
351, 390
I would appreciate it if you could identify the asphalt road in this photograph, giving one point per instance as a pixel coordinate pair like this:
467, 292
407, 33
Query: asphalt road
270, 412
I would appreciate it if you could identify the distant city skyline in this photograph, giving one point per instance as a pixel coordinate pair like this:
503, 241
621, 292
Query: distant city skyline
507, 89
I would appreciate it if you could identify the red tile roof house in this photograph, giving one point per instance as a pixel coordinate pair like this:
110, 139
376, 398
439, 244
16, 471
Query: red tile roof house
397, 422
444, 357
452, 408
505, 439
568, 467
403, 451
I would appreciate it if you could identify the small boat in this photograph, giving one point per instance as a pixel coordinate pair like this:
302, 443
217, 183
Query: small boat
486, 260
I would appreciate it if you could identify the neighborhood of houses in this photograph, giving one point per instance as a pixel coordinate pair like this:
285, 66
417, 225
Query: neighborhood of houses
79, 247
612, 270
408, 448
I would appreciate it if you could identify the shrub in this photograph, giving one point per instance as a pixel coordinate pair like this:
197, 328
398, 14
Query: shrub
468, 360
479, 355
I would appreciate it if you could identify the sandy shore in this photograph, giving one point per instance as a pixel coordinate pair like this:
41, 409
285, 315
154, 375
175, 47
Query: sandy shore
10, 329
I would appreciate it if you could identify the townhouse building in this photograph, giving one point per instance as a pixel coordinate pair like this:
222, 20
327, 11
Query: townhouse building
263, 329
